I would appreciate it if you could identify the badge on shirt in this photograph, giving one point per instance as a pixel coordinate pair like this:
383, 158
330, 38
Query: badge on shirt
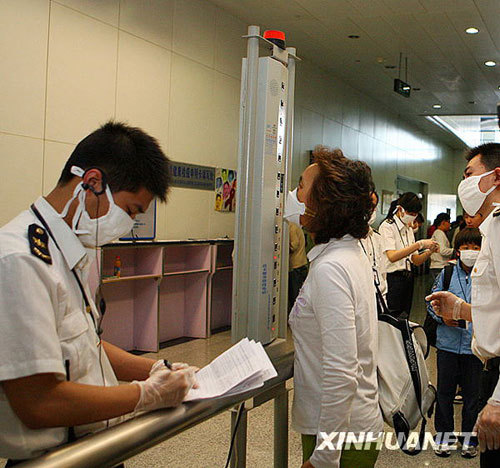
39, 243
496, 213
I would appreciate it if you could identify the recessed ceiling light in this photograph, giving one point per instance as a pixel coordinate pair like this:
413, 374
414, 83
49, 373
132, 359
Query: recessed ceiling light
499, 87
436, 106
353, 36
472, 30
490, 63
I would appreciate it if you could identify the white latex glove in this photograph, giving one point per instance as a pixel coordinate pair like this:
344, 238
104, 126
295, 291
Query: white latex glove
443, 303
164, 388
428, 244
488, 428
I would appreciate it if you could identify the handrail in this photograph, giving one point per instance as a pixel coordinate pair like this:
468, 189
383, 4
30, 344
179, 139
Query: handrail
116, 444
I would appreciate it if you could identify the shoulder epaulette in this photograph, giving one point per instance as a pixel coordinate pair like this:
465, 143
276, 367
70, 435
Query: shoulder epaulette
39, 243
496, 213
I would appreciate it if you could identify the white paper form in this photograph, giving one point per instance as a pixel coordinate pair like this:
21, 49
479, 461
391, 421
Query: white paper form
243, 367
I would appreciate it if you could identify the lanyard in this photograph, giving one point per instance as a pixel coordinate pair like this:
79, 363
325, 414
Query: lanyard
97, 326
376, 277
407, 260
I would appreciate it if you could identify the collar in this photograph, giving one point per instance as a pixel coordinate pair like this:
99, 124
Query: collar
320, 249
71, 248
483, 227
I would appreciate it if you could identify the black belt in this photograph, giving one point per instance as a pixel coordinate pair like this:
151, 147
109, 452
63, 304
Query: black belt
402, 273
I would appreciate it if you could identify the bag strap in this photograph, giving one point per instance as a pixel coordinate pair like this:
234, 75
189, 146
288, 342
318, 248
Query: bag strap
448, 273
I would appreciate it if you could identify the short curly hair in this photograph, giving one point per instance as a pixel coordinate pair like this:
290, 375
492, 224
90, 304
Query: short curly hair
340, 196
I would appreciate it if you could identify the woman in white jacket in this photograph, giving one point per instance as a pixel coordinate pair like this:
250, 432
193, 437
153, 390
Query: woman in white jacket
334, 320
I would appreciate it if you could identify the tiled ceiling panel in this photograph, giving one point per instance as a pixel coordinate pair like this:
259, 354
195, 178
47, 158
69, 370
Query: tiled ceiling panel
447, 64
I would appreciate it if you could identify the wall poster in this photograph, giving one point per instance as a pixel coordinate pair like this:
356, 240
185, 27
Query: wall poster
225, 190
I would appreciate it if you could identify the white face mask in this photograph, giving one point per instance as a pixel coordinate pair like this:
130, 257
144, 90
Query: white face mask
470, 194
469, 257
406, 218
293, 208
99, 231
373, 217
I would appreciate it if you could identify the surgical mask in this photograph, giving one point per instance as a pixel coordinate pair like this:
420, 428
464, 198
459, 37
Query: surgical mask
293, 208
469, 257
373, 218
406, 218
470, 194
98, 231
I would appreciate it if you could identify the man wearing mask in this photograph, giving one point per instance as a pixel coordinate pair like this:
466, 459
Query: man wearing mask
59, 380
479, 193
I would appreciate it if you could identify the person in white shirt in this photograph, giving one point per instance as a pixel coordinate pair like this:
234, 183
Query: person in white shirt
373, 248
334, 319
479, 193
59, 380
401, 251
441, 258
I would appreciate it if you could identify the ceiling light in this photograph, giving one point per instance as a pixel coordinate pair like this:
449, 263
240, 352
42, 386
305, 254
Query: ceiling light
499, 87
353, 36
436, 106
472, 30
490, 63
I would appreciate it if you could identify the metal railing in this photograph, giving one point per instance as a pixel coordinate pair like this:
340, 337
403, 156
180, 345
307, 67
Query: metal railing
119, 443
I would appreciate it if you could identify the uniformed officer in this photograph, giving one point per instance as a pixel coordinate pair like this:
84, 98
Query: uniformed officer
58, 379
479, 193
401, 251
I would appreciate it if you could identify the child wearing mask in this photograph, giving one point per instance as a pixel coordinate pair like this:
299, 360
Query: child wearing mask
456, 365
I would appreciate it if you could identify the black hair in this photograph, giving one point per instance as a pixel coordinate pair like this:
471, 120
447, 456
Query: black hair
440, 218
490, 155
468, 235
420, 218
129, 157
409, 201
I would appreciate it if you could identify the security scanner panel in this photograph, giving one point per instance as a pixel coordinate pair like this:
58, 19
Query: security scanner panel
259, 241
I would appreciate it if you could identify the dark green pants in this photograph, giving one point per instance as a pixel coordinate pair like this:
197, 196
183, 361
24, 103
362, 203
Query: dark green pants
350, 458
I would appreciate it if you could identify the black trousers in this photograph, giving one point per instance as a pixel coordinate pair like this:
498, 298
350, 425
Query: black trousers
489, 380
453, 370
400, 292
296, 278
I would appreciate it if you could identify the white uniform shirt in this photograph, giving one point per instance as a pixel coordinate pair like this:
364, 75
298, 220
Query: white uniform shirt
334, 325
440, 259
486, 294
396, 236
43, 324
373, 247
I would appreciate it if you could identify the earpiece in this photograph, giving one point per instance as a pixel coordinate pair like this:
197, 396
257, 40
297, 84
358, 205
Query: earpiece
86, 186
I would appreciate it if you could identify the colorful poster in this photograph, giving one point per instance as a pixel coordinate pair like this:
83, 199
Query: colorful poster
225, 190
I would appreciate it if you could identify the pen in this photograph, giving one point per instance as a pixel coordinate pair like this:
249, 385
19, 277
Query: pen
167, 364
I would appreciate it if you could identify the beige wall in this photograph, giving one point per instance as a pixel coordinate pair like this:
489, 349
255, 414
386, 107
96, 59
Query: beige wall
171, 67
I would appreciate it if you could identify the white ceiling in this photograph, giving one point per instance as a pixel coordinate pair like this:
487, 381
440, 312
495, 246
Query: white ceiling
446, 63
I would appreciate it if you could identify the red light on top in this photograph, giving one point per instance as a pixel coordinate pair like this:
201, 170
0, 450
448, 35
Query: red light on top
276, 37
271, 34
